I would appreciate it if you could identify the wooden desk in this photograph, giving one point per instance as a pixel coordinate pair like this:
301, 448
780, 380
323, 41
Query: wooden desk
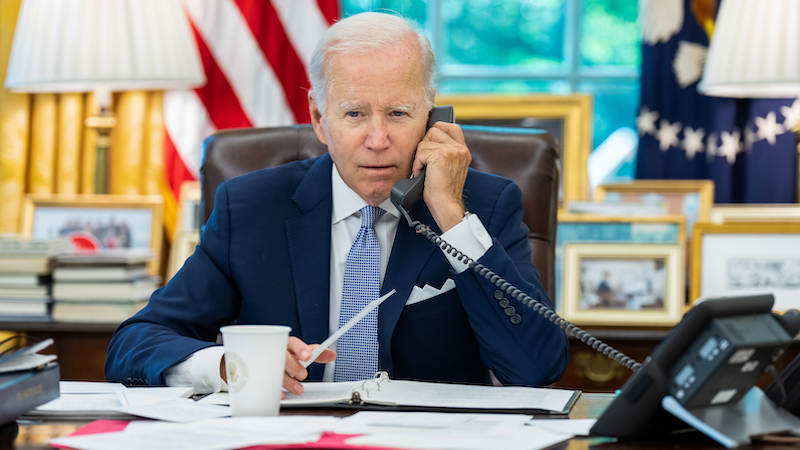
35, 436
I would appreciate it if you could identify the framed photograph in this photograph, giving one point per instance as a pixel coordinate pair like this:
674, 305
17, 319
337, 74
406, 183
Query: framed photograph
567, 117
187, 217
597, 229
755, 213
182, 248
99, 221
691, 198
747, 258
623, 284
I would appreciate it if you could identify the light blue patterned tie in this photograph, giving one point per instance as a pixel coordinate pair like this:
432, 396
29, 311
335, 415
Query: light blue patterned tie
357, 350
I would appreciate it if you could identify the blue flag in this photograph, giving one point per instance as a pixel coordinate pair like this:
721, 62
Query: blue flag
745, 145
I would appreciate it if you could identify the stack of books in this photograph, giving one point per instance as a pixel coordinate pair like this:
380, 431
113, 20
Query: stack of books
25, 267
106, 287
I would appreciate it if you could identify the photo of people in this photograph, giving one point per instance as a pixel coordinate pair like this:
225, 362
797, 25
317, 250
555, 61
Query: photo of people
99, 228
626, 284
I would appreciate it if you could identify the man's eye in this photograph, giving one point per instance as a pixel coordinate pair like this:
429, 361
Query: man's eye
398, 113
353, 114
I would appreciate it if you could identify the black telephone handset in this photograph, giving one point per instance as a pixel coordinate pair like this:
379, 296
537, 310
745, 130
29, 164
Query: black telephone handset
407, 191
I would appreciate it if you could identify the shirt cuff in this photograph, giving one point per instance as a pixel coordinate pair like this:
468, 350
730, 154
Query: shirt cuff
470, 237
200, 370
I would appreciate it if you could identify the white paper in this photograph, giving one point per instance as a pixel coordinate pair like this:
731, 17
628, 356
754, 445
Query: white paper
88, 387
319, 393
178, 410
577, 427
139, 396
83, 402
526, 438
343, 329
432, 424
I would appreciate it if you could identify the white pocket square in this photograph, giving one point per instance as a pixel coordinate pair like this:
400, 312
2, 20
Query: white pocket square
424, 293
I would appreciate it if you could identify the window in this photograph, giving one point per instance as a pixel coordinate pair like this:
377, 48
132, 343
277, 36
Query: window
529, 46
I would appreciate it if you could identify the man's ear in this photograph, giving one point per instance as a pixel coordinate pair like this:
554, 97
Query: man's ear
316, 117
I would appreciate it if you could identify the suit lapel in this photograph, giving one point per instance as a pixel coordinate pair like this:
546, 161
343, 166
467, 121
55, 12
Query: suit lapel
309, 239
410, 253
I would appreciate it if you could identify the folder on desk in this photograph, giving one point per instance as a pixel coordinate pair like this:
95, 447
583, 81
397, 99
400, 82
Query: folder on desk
383, 394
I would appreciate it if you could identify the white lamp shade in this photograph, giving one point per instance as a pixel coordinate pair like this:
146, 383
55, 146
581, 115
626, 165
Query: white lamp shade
754, 51
110, 45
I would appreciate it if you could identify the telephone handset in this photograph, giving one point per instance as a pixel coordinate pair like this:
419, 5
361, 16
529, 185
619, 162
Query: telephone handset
406, 192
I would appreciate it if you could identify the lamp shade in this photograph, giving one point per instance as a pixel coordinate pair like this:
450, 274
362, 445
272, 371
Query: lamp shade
107, 45
754, 51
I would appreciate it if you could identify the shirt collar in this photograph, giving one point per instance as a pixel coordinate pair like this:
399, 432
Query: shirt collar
346, 202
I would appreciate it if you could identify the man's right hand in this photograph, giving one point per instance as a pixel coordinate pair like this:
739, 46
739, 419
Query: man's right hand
294, 373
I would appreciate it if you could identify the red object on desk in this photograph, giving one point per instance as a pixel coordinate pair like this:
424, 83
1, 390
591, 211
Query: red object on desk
328, 441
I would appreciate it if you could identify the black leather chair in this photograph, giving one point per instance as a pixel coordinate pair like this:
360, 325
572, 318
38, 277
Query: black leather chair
530, 159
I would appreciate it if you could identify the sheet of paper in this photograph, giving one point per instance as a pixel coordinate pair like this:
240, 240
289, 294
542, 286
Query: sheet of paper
88, 387
411, 393
178, 410
343, 329
526, 438
218, 398
137, 396
577, 427
316, 392
432, 424
83, 402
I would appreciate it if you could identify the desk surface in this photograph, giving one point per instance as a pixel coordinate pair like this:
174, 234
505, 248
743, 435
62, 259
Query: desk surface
35, 436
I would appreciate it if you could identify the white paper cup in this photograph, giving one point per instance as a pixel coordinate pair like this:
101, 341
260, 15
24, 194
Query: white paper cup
254, 363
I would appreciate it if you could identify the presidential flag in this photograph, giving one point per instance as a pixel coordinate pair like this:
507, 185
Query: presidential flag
255, 54
744, 145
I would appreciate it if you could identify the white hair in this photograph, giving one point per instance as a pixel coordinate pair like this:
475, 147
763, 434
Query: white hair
364, 33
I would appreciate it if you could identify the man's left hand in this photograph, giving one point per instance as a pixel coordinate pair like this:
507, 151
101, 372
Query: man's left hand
447, 157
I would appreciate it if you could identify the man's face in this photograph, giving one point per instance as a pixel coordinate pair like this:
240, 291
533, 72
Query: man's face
375, 116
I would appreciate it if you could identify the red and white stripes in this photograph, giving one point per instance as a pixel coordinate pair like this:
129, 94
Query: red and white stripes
255, 54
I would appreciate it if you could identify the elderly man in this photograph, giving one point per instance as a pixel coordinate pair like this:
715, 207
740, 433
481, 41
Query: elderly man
308, 244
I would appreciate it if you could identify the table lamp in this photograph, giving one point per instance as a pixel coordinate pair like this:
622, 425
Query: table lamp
102, 46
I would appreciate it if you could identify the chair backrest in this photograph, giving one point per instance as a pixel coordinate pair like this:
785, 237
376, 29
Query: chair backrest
530, 159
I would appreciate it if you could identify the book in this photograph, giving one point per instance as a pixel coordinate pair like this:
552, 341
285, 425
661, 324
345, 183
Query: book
138, 289
96, 272
17, 279
15, 245
22, 391
38, 264
106, 257
31, 291
24, 307
384, 393
82, 312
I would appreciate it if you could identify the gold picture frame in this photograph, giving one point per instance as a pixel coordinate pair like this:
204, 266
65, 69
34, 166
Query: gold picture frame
737, 258
725, 213
182, 248
140, 219
574, 111
668, 188
623, 284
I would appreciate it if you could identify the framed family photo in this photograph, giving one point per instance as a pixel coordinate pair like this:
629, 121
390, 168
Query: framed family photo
623, 284
735, 259
567, 117
101, 222
722, 213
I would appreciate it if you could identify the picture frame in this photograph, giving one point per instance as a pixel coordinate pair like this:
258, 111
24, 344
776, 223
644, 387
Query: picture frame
725, 213
182, 248
601, 229
567, 117
623, 284
737, 258
675, 192
110, 221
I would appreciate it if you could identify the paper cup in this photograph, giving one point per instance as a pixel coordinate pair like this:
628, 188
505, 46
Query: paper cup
254, 363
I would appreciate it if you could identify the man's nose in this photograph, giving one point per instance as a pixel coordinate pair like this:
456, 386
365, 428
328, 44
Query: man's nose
377, 134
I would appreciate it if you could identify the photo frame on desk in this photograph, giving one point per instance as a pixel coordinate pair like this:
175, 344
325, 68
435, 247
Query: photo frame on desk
600, 229
623, 284
725, 213
104, 221
692, 198
182, 248
567, 117
738, 258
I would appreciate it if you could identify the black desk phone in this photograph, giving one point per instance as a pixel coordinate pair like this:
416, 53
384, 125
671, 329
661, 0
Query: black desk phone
713, 357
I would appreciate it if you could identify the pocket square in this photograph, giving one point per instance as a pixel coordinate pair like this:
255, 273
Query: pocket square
424, 293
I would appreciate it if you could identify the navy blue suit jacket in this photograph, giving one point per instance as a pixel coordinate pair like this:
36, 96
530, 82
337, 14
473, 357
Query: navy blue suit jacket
264, 258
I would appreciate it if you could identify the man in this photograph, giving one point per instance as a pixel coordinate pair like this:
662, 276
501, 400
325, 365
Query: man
289, 245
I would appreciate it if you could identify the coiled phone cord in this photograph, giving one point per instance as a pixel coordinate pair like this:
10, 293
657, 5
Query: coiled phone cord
607, 350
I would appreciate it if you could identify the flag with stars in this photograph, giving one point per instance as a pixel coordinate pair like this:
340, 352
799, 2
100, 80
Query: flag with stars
744, 145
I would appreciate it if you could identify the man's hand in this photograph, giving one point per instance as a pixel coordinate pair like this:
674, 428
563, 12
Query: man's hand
447, 157
294, 373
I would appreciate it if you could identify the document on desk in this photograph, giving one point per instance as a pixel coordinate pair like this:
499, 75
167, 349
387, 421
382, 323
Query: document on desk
417, 395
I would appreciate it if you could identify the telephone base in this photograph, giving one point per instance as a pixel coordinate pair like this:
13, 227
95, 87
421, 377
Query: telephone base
732, 425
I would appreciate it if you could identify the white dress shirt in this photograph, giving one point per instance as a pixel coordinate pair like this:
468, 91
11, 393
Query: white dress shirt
201, 369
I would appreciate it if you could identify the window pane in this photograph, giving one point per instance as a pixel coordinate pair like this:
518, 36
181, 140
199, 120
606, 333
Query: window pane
610, 34
410, 9
467, 86
526, 33
615, 105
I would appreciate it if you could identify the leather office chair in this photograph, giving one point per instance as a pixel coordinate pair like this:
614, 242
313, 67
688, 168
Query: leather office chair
530, 159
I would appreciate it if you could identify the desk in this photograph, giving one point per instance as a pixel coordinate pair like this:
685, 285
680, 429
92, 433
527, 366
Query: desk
34, 437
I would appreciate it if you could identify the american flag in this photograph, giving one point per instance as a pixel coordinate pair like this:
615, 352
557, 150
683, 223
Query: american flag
255, 54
